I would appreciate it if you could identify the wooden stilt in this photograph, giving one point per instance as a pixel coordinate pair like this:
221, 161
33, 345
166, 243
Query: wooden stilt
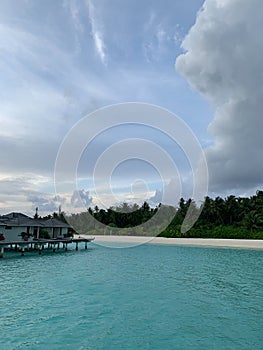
41, 244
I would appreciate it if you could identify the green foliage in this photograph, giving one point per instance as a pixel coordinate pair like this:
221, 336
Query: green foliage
44, 234
232, 217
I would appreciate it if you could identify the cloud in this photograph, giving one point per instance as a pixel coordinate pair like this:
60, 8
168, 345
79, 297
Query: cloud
81, 199
223, 62
22, 193
159, 36
50, 78
43, 93
12, 186
157, 197
73, 8
46, 203
97, 33
172, 191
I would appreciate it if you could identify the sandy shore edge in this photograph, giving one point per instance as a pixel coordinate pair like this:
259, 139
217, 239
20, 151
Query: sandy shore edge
205, 242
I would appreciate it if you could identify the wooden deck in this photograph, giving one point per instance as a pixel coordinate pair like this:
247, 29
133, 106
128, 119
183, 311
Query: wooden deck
42, 244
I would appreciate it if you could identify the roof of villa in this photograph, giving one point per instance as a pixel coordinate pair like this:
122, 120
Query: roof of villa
19, 219
55, 223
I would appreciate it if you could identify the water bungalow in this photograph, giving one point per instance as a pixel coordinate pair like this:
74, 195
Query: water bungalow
19, 232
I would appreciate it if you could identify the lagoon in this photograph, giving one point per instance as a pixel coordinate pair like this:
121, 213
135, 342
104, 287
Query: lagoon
145, 297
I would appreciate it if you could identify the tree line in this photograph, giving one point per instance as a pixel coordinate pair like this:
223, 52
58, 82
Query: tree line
230, 217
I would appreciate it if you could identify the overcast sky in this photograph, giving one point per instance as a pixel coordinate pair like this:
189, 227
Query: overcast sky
61, 60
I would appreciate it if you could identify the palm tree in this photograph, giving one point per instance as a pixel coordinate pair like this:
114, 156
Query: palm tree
231, 209
253, 221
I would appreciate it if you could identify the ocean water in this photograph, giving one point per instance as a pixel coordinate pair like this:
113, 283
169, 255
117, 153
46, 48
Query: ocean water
146, 297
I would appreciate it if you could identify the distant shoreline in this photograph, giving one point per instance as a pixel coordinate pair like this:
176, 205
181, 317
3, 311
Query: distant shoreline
203, 242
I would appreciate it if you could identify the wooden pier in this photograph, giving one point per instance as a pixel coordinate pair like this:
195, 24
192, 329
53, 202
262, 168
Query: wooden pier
40, 245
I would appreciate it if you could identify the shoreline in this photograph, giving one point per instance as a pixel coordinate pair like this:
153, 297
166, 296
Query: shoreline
200, 242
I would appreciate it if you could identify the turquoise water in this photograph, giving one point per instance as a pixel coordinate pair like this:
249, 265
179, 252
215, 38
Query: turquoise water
147, 297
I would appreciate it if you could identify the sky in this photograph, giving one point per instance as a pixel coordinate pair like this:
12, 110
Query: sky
62, 60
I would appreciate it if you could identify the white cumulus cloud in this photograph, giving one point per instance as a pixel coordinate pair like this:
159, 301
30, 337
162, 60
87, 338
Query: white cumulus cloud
223, 62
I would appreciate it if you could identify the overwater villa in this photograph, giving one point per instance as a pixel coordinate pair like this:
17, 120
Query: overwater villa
20, 227
19, 232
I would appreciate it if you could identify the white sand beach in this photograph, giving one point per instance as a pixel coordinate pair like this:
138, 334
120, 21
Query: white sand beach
120, 241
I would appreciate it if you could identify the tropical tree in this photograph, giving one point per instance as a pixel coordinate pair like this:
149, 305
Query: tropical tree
253, 221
